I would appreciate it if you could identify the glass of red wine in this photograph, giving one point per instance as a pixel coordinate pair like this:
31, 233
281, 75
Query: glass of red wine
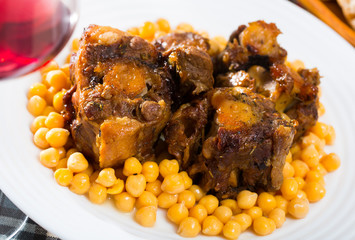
32, 32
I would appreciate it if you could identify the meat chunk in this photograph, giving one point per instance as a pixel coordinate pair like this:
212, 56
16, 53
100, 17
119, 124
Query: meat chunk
188, 58
253, 45
254, 59
296, 94
121, 99
172, 41
235, 79
184, 133
246, 146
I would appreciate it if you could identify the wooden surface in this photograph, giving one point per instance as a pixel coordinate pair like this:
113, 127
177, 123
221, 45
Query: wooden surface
335, 8
331, 14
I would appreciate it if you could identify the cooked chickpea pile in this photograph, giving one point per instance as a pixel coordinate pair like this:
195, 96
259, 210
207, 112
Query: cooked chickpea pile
152, 30
143, 188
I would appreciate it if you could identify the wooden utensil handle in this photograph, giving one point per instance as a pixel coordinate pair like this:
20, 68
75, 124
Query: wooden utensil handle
322, 12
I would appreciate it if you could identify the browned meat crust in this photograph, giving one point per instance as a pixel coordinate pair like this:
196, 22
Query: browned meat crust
252, 45
189, 61
236, 79
296, 94
246, 146
254, 49
184, 133
122, 97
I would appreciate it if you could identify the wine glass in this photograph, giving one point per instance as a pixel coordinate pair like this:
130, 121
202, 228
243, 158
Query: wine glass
32, 32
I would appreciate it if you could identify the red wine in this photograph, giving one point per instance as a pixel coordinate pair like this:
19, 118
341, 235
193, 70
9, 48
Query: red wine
31, 33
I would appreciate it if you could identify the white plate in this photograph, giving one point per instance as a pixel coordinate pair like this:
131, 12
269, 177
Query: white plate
32, 187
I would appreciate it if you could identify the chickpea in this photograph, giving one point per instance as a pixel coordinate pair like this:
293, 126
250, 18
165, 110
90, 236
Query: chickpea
312, 139
135, 185
281, 202
300, 167
38, 122
223, 213
243, 219
246, 199
187, 180
279, 216
39, 138
146, 216
166, 200
254, 212
62, 163
210, 202
57, 137
154, 187
106, 177
47, 110
173, 184
65, 68
49, 157
289, 188
314, 191
97, 193
117, 187
315, 176
54, 120
177, 212
212, 226
300, 181
133, 31
266, 202
199, 212
301, 194
36, 105
185, 27
147, 31
197, 191
232, 204
58, 101
77, 162
150, 170
232, 230
124, 201
288, 170
320, 168
189, 227
80, 183
263, 226
167, 167
163, 25
38, 89
187, 197
63, 176
146, 199
57, 79
320, 129
310, 156
71, 151
330, 137
331, 162
50, 95
298, 207
132, 166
